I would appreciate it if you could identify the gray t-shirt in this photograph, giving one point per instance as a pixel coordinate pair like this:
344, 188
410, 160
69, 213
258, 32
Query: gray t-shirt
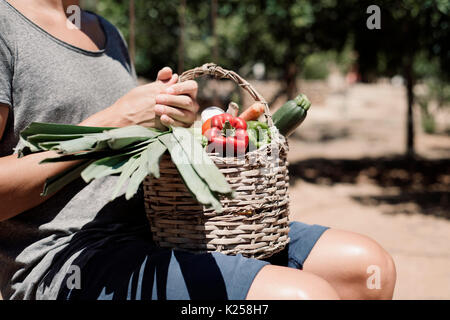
47, 80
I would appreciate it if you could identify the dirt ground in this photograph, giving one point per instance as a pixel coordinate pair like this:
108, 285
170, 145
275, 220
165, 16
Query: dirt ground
347, 172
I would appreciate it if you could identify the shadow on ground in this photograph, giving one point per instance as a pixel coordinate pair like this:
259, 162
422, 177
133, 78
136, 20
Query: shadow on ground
322, 133
409, 185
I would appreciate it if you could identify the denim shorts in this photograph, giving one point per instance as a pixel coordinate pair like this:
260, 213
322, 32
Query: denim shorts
137, 270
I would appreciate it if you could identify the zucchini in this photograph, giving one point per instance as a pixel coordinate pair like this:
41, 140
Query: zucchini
291, 114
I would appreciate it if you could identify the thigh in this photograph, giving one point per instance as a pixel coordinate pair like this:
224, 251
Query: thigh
138, 270
303, 238
283, 283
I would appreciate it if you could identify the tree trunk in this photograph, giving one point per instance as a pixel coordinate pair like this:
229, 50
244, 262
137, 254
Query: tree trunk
291, 79
277, 95
215, 49
132, 39
409, 76
181, 39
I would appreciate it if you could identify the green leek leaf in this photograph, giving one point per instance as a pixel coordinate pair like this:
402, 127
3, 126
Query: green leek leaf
155, 151
37, 138
201, 162
122, 137
55, 128
194, 183
138, 176
129, 167
104, 167
62, 179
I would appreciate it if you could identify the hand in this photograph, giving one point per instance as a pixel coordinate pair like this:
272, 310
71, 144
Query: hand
137, 106
177, 106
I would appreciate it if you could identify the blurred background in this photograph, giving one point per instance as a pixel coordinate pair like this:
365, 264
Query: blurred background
373, 155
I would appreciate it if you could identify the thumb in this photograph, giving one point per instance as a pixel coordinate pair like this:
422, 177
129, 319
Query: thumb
164, 74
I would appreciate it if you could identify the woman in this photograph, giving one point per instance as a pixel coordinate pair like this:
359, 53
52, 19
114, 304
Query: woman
76, 244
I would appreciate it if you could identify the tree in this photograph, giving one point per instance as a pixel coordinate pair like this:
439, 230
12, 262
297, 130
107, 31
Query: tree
409, 29
181, 49
283, 33
278, 33
157, 31
132, 40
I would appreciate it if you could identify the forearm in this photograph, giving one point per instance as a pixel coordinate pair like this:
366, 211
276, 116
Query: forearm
105, 118
22, 181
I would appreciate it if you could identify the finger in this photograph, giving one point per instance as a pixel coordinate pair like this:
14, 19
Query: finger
189, 87
168, 121
173, 80
164, 74
180, 115
182, 101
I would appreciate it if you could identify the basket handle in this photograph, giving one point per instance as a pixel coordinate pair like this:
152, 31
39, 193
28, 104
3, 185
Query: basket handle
217, 72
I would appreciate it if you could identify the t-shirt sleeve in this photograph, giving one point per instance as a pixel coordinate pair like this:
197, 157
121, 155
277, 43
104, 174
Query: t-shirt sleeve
6, 67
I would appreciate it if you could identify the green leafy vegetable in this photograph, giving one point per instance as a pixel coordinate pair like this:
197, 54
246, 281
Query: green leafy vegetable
193, 181
155, 152
127, 170
201, 162
134, 152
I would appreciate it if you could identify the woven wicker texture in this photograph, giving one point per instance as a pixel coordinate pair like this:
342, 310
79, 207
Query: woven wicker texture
254, 223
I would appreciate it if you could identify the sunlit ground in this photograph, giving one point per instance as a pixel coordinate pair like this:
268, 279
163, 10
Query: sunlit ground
347, 172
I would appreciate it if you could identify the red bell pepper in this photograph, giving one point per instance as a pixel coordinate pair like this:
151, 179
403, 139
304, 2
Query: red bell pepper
226, 134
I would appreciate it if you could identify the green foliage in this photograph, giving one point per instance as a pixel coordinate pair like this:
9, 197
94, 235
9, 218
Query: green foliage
275, 32
427, 119
437, 91
316, 66
156, 31
408, 27
283, 32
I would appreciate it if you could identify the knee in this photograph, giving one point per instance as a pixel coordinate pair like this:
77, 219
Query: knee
280, 283
374, 269
381, 276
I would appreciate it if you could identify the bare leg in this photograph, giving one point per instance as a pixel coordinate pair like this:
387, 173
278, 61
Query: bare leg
282, 283
348, 261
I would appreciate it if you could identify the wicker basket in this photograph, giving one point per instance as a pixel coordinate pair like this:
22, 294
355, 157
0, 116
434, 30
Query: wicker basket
254, 223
